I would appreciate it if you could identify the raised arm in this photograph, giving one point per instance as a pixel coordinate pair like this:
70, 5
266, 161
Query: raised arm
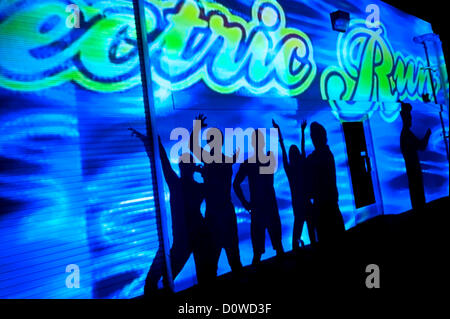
144, 139
194, 143
304, 124
240, 176
168, 172
283, 148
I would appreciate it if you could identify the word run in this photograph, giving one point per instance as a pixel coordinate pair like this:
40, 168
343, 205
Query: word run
189, 41
370, 71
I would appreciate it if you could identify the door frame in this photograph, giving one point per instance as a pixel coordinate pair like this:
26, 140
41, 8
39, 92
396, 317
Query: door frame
376, 208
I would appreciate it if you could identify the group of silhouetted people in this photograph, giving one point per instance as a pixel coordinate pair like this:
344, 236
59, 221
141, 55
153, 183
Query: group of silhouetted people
312, 181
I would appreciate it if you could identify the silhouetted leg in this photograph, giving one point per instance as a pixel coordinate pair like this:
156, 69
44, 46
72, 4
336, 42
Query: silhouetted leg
204, 261
297, 231
232, 246
338, 242
203, 270
416, 191
323, 231
214, 228
215, 256
179, 255
274, 229
178, 259
330, 225
257, 232
311, 231
340, 225
312, 221
155, 272
233, 257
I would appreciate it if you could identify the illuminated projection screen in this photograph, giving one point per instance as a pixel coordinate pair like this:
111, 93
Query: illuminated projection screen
244, 63
76, 189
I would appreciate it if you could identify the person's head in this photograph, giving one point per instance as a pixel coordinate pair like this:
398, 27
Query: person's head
186, 165
294, 154
258, 140
318, 135
405, 113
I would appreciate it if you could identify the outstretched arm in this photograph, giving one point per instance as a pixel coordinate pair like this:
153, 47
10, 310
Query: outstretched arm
240, 176
283, 148
144, 139
168, 172
304, 124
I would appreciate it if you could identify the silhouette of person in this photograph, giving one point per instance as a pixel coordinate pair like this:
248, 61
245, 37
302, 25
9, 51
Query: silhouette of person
263, 207
296, 172
220, 215
410, 145
321, 165
188, 229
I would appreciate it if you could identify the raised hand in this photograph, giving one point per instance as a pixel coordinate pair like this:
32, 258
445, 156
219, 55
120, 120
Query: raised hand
275, 125
304, 124
202, 118
134, 132
139, 135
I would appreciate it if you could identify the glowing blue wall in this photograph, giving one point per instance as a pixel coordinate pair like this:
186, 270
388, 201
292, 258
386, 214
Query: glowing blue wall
180, 96
75, 187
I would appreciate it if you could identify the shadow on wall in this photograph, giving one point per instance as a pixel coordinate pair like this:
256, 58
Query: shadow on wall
109, 285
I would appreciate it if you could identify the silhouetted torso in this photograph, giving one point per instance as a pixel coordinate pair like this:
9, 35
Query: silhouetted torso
322, 168
263, 204
186, 197
262, 192
193, 196
329, 222
409, 145
217, 178
297, 175
220, 216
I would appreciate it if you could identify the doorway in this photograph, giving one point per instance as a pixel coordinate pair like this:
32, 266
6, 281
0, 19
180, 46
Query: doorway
362, 167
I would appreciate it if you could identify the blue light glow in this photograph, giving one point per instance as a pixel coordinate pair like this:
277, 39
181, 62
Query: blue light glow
76, 188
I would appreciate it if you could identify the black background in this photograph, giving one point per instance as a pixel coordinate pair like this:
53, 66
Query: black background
433, 11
